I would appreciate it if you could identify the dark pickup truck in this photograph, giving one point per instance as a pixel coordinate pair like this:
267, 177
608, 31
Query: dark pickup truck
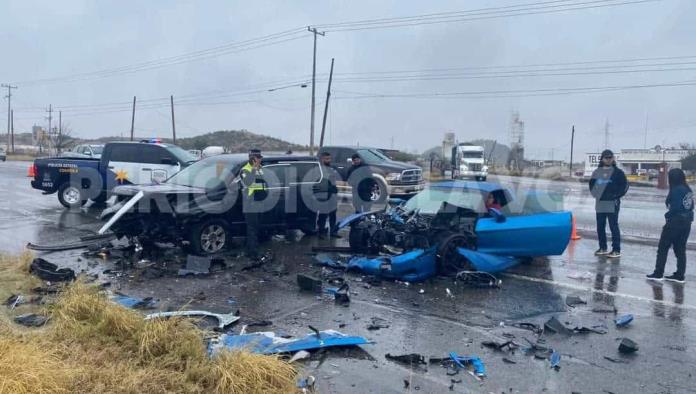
77, 179
389, 177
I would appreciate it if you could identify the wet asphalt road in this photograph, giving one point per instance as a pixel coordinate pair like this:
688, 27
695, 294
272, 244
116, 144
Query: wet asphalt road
430, 323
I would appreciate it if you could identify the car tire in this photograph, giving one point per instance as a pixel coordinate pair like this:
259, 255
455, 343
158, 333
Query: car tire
449, 262
71, 195
379, 191
210, 236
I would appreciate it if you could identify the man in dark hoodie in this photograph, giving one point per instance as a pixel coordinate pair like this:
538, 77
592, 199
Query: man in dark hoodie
675, 233
607, 185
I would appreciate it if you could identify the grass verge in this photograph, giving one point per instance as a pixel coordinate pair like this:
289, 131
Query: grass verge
92, 345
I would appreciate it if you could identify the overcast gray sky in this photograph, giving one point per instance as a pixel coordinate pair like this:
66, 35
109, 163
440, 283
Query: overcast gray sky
49, 39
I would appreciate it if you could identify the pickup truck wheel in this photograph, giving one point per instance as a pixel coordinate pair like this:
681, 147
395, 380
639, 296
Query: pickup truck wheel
70, 195
483, 179
210, 236
378, 191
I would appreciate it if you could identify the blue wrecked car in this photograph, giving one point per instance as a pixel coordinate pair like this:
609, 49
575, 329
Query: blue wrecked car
457, 226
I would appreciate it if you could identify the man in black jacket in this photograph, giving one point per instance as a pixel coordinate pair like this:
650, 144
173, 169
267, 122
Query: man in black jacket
607, 185
327, 194
360, 179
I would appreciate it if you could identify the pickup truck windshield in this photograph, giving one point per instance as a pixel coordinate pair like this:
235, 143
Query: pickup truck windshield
206, 174
97, 150
472, 155
182, 155
372, 155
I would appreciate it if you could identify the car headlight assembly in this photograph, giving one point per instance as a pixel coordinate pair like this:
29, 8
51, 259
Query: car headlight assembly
394, 176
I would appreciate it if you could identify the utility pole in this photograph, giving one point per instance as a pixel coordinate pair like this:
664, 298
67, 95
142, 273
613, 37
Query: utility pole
645, 136
572, 141
12, 130
326, 105
606, 134
133, 119
314, 77
171, 100
60, 130
9, 109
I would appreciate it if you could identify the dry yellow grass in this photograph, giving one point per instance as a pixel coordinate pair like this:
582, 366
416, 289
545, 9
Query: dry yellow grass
92, 345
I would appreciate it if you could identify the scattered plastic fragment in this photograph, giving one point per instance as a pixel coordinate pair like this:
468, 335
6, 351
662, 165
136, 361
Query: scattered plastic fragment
50, 272
309, 283
555, 360
326, 260
301, 355
463, 361
509, 361
572, 300
376, 323
615, 360
478, 279
341, 294
623, 321
224, 319
486, 262
593, 329
31, 320
409, 359
554, 325
535, 328
500, 345
196, 265
134, 303
628, 346
270, 343
306, 384
603, 308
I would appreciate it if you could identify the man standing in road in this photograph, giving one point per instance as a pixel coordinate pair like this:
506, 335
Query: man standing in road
361, 184
252, 180
607, 185
327, 195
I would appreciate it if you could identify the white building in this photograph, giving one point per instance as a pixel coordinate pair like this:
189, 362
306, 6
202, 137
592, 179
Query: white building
633, 160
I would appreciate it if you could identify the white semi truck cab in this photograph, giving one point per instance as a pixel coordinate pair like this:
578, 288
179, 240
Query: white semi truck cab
468, 161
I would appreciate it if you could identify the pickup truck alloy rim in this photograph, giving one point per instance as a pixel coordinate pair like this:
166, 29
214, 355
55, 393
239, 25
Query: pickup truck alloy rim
376, 192
212, 238
71, 195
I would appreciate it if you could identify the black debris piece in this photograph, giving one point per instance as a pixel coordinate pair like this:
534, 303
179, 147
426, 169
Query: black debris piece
199, 264
604, 308
50, 272
308, 283
554, 325
376, 323
535, 328
31, 320
615, 360
260, 323
587, 330
258, 262
409, 359
342, 295
499, 345
628, 346
50, 289
572, 300
508, 361
406, 383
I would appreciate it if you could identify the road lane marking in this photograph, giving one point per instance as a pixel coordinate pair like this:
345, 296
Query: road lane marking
602, 291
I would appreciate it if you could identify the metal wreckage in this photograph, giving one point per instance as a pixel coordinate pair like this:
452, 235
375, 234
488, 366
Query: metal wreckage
447, 230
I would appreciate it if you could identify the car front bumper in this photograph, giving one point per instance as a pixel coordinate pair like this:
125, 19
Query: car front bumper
406, 189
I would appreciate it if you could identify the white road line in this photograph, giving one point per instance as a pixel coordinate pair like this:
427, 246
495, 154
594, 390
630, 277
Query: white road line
583, 288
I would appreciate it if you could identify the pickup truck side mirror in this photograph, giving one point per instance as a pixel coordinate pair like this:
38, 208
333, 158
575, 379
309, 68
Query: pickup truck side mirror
168, 161
497, 215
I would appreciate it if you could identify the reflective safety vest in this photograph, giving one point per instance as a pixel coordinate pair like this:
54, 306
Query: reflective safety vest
256, 186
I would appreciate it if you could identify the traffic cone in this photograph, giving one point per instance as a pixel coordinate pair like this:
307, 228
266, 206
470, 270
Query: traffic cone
574, 234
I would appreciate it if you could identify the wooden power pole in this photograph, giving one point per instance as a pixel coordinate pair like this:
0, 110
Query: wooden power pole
314, 77
9, 109
133, 120
572, 141
171, 100
326, 105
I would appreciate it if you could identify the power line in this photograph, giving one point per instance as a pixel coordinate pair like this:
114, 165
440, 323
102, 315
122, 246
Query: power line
478, 14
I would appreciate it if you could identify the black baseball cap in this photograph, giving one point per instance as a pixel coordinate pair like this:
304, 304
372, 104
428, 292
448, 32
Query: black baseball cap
255, 153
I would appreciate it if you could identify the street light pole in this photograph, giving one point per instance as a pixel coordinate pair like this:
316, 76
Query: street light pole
314, 77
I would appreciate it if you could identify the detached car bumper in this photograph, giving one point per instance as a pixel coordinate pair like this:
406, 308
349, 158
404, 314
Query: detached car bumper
471, 174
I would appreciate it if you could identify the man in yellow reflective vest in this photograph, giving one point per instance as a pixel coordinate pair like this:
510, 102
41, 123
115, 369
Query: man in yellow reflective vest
252, 195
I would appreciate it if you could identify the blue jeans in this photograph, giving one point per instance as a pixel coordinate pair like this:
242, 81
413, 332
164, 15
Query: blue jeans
613, 218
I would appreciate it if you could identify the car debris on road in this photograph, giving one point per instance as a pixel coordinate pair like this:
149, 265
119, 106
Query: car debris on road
224, 319
271, 343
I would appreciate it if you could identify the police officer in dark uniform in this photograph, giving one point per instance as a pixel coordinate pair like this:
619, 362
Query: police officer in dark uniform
253, 190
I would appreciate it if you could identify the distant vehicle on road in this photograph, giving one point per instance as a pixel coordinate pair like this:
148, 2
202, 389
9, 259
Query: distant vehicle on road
468, 161
77, 179
197, 153
3, 155
93, 151
212, 151
389, 177
203, 203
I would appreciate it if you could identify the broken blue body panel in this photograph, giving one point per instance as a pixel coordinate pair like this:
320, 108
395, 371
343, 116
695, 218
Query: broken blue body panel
269, 343
485, 262
414, 266
134, 303
555, 360
623, 321
463, 361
